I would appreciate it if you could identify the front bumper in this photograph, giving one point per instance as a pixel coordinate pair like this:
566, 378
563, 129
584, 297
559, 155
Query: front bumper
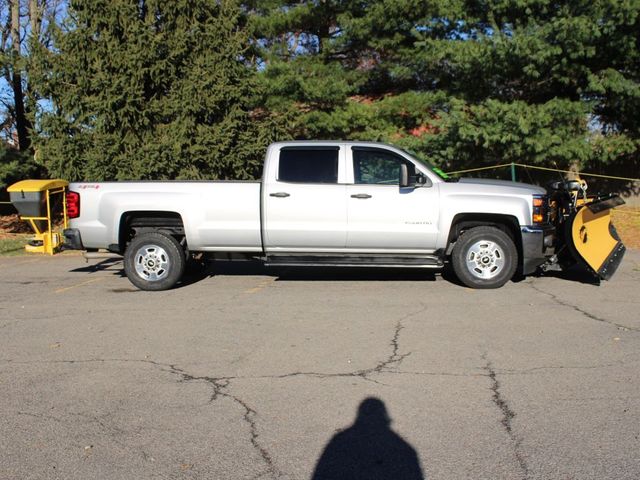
537, 242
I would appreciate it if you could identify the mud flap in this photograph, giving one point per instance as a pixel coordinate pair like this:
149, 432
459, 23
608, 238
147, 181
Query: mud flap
593, 240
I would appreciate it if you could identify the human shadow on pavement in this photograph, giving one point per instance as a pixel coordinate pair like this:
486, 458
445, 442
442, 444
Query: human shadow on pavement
368, 450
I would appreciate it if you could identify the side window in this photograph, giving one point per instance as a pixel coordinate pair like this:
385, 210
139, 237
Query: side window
308, 165
380, 167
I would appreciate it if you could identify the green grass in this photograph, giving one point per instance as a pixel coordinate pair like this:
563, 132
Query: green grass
13, 245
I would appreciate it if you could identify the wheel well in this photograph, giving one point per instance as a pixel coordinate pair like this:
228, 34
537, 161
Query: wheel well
132, 223
507, 223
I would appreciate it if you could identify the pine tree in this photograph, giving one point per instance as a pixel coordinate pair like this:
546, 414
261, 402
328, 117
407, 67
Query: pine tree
150, 90
462, 82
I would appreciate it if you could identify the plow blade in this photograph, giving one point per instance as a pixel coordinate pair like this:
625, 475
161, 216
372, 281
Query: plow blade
593, 239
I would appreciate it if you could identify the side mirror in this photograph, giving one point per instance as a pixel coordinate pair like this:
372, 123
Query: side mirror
405, 179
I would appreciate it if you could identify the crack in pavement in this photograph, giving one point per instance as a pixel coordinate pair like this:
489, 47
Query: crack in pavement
321, 375
40, 416
394, 358
507, 416
167, 368
250, 418
528, 371
219, 386
589, 315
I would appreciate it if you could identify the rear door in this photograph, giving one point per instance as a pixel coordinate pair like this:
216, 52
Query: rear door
305, 200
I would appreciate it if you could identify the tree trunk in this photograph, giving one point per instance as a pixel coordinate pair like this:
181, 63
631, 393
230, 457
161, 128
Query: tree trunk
35, 17
23, 125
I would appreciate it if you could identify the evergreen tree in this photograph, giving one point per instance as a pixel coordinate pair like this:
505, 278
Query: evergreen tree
464, 83
25, 22
150, 90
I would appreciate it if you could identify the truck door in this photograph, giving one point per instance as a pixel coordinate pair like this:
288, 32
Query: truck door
381, 214
304, 200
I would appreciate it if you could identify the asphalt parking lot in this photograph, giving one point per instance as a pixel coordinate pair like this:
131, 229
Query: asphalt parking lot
245, 373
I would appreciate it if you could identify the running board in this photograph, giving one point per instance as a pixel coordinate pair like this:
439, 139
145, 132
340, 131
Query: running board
332, 260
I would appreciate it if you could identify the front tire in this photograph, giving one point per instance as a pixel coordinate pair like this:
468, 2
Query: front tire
484, 257
154, 261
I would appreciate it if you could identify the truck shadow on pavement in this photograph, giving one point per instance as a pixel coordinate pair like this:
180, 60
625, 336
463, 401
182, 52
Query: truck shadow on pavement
575, 273
198, 272
110, 264
368, 449
321, 273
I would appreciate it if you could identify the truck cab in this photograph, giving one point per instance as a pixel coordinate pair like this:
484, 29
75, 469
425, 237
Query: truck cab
348, 198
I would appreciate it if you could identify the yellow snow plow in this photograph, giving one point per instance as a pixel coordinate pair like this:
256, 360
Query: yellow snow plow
584, 232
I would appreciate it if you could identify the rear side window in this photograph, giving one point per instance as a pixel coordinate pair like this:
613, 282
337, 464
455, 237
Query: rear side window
308, 165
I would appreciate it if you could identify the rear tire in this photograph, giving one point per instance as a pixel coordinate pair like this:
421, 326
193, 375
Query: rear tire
484, 257
154, 261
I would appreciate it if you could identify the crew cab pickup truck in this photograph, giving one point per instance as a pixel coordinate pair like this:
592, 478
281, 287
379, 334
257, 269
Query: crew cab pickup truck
320, 203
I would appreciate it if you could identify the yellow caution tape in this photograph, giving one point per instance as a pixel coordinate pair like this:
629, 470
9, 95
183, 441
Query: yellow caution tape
579, 173
543, 168
478, 169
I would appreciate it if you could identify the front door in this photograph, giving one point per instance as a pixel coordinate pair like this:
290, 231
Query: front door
381, 215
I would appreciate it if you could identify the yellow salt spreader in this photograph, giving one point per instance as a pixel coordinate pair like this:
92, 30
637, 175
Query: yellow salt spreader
42, 203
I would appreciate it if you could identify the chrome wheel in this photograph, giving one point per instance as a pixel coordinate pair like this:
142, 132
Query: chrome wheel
152, 263
485, 259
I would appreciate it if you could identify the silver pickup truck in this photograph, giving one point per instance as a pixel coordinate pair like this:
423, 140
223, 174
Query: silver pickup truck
325, 203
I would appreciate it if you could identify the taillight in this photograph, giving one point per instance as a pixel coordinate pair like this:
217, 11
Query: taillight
539, 209
73, 204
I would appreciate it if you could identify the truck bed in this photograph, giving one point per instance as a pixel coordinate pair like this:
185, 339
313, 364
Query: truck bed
217, 215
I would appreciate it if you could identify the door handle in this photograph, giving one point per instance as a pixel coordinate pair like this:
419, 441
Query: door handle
361, 195
279, 194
